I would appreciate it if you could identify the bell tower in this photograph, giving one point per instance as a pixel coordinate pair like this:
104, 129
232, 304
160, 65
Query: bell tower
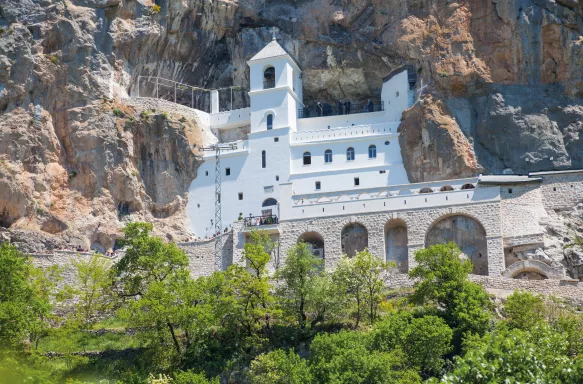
275, 90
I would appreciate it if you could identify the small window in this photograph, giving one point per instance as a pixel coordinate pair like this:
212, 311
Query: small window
276, 178
318, 186
328, 156
263, 159
356, 181
198, 205
270, 121
350, 154
554, 189
372, 152
307, 158
387, 142
276, 139
268, 189
240, 195
397, 93
206, 173
227, 171
509, 190
383, 171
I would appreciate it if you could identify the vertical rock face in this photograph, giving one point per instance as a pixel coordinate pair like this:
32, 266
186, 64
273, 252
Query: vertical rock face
500, 82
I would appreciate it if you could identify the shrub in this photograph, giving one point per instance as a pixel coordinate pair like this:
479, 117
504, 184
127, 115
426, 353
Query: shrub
155, 9
524, 310
72, 174
117, 112
280, 367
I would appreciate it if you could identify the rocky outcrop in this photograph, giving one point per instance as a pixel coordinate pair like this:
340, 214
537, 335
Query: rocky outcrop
502, 82
433, 145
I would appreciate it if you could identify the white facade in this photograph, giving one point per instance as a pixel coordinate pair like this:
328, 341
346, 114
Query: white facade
268, 163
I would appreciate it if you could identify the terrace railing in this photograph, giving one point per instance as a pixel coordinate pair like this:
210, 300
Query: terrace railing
333, 110
252, 221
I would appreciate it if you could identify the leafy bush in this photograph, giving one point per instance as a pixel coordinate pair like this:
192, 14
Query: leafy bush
280, 367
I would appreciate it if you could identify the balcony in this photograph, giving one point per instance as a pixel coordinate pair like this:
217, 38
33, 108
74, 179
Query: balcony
350, 109
261, 223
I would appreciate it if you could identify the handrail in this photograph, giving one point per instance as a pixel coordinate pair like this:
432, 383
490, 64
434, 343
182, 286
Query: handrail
344, 109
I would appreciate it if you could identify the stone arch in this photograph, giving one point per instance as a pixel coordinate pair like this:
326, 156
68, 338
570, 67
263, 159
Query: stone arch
469, 235
446, 188
531, 270
315, 241
353, 238
396, 240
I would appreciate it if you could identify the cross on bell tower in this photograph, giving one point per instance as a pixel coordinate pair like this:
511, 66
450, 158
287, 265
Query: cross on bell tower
273, 31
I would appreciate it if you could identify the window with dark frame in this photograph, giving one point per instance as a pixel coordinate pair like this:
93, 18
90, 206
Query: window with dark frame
356, 181
318, 186
307, 158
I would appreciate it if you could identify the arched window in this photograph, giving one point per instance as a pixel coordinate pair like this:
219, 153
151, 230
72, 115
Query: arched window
426, 190
372, 152
269, 202
468, 186
307, 158
269, 78
328, 156
270, 121
350, 154
446, 188
263, 159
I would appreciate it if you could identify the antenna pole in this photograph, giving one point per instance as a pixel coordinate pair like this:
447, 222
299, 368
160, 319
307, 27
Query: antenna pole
218, 218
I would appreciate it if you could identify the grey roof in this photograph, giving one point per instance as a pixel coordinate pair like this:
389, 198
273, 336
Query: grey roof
273, 49
507, 179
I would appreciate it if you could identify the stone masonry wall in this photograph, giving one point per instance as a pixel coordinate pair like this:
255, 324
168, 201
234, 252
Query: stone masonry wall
201, 255
562, 190
522, 208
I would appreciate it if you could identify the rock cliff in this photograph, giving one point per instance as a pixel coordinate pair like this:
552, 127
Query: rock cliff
499, 86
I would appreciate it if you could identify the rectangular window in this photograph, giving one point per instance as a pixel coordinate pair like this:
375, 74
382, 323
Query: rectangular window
227, 171
356, 181
276, 178
276, 139
268, 189
383, 171
318, 185
206, 173
240, 195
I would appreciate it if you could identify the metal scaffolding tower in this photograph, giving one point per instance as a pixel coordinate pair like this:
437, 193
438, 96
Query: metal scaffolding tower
217, 149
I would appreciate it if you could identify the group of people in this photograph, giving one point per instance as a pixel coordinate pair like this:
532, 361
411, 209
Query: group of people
211, 237
342, 108
253, 221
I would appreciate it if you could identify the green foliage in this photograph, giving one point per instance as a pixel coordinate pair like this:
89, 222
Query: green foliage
280, 367
91, 291
182, 119
72, 174
165, 115
53, 58
361, 278
117, 112
155, 9
443, 283
345, 358
190, 377
300, 292
516, 356
425, 340
524, 310
24, 299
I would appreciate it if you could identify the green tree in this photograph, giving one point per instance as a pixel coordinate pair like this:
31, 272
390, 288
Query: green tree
247, 289
190, 377
298, 275
443, 282
91, 290
344, 358
24, 299
280, 367
361, 277
425, 340
524, 310
153, 275
516, 356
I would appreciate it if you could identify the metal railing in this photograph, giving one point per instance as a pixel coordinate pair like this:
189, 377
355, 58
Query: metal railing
253, 221
230, 98
267, 84
345, 109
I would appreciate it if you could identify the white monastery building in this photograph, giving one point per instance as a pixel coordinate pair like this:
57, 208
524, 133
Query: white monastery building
286, 148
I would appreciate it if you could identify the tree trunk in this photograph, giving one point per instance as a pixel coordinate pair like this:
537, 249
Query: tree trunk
176, 343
